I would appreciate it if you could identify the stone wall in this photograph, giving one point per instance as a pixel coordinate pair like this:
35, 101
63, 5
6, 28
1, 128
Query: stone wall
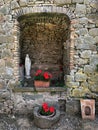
83, 43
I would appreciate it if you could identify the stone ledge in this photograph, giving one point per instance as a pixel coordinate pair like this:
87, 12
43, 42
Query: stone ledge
29, 89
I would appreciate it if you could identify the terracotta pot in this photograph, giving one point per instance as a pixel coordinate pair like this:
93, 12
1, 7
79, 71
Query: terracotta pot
38, 83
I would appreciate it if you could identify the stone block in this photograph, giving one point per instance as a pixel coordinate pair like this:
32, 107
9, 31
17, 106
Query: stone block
89, 69
86, 54
94, 4
86, 43
73, 107
2, 84
77, 1
1, 2
82, 31
81, 61
62, 1
70, 78
87, 2
5, 94
93, 87
80, 76
14, 4
83, 20
6, 53
23, 2
93, 32
79, 92
73, 84
96, 39
94, 60
80, 9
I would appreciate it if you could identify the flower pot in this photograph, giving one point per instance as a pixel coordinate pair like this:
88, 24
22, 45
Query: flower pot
38, 83
45, 122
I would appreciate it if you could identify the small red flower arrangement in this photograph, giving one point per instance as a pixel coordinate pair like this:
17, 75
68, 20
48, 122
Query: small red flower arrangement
42, 76
46, 110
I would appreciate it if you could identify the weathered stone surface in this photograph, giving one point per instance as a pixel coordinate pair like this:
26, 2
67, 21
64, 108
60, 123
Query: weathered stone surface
72, 84
79, 76
96, 22
87, 1
96, 39
93, 87
6, 53
86, 42
80, 92
6, 39
86, 54
2, 84
94, 78
82, 32
80, 10
2, 18
62, 1
81, 61
94, 4
1, 2
5, 95
9, 63
93, 32
73, 107
94, 60
77, 1
89, 26
9, 71
90, 125
70, 78
83, 20
14, 4
23, 2
5, 9
89, 69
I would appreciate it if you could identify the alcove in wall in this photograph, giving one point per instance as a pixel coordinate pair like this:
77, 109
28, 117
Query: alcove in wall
43, 36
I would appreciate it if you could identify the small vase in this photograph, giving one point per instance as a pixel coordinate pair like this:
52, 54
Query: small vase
45, 122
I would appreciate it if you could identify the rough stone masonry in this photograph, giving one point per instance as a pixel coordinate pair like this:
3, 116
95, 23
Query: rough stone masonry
83, 77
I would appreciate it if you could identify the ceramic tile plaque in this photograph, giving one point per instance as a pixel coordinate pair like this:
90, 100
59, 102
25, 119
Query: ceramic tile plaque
88, 108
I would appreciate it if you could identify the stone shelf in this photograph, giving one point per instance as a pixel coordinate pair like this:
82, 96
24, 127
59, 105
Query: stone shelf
32, 89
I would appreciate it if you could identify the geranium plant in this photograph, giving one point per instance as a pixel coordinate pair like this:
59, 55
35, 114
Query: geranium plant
46, 110
43, 76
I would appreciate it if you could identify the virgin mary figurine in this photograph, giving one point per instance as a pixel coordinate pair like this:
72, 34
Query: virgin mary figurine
27, 66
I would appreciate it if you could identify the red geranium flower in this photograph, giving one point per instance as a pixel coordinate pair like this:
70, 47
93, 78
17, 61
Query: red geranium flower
46, 75
51, 109
43, 76
44, 105
46, 109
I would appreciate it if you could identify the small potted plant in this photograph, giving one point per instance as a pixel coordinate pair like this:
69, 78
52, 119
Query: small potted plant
46, 110
45, 116
42, 79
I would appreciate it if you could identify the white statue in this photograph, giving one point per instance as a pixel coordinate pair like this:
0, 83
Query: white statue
27, 66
